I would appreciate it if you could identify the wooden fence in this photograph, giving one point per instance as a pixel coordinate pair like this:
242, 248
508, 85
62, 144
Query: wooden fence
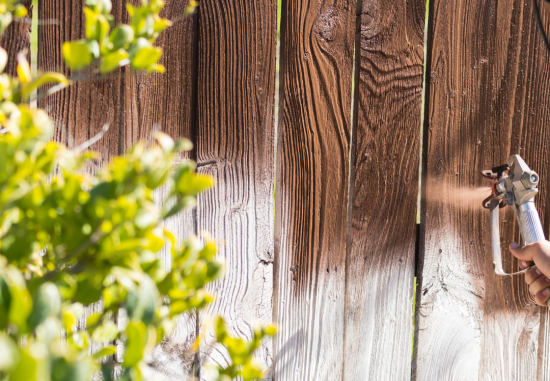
333, 257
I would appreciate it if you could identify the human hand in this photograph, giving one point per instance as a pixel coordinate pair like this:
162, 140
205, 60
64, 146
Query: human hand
537, 278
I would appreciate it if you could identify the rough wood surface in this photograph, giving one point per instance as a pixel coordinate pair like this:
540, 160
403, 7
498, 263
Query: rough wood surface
81, 110
165, 101
133, 105
16, 39
312, 186
234, 144
484, 99
382, 235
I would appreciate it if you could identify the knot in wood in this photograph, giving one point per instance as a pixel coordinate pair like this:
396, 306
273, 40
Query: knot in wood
369, 18
326, 24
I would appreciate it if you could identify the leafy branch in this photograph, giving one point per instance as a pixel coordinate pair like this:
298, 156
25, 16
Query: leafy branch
70, 239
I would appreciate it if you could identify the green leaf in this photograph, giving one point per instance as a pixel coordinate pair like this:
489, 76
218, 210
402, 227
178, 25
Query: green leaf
270, 330
5, 301
3, 60
42, 80
71, 369
161, 24
5, 21
106, 332
121, 37
20, 11
253, 371
25, 369
136, 332
92, 27
184, 145
88, 290
101, 6
165, 141
80, 54
141, 302
46, 303
143, 54
104, 352
113, 61
93, 319
9, 357
21, 304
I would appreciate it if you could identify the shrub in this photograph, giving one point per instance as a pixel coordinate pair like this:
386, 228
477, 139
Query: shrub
69, 239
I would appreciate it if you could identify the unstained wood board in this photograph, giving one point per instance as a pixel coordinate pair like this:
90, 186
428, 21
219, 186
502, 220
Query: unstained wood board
314, 134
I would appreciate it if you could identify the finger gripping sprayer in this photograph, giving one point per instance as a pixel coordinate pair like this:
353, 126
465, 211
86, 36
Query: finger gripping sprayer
517, 189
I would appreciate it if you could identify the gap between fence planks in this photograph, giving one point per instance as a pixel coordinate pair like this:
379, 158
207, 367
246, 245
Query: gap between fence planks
485, 90
382, 228
234, 144
312, 184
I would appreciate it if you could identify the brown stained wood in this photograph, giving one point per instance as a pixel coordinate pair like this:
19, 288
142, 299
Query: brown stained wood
132, 104
312, 186
520, 126
382, 237
81, 110
486, 100
234, 144
16, 39
168, 100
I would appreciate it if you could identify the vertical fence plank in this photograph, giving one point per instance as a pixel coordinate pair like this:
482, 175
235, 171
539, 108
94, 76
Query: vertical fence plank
234, 144
484, 103
382, 236
167, 102
520, 113
312, 187
453, 229
80, 111
16, 39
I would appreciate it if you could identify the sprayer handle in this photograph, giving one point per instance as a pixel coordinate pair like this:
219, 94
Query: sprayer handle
531, 230
529, 223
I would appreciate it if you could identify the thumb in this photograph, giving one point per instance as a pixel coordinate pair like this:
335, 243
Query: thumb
522, 253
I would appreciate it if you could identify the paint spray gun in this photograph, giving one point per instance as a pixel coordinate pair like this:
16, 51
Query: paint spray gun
516, 188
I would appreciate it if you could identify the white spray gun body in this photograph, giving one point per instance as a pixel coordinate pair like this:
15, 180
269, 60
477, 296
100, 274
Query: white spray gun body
518, 190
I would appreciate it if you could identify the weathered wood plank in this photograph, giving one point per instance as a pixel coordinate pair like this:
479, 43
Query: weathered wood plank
234, 144
165, 100
484, 104
81, 110
312, 186
511, 322
17, 38
382, 236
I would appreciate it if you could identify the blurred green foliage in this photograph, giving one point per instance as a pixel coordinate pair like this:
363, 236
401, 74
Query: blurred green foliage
109, 48
10, 9
69, 239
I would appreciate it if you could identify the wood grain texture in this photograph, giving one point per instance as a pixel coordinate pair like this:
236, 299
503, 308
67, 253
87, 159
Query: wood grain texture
16, 39
382, 236
81, 110
485, 91
166, 101
175, 358
132, 104
235, 144
312, 186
